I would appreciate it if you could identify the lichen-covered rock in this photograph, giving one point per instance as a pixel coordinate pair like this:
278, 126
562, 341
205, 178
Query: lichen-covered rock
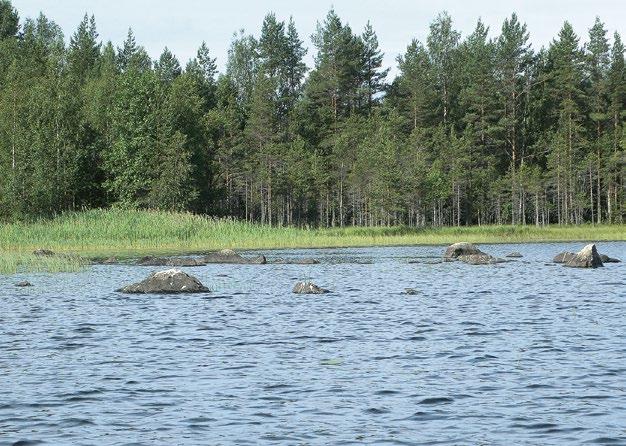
514, 255
607, 259
230, 256
308, 288
461, 249
479, 259
587, 257
167, 282
564, 257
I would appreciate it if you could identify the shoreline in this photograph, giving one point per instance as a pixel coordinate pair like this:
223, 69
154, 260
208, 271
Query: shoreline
99, 234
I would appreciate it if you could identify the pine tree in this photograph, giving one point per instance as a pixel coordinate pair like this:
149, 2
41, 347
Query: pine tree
9, 20
514, 57
597, 61
443, 43
373, 76
167, 67
84, 49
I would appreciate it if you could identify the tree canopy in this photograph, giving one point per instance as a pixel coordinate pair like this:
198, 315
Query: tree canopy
474, 129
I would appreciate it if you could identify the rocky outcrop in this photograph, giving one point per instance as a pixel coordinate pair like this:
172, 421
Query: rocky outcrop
607, 259
514, 255
470, 254
171, 281
308, 288
587, 257
564, 257
230, 256
480, 259
169, 261
461, 249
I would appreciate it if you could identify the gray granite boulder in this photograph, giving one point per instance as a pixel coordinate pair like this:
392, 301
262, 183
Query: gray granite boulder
171, 281
461, 249
308, 288
587, 257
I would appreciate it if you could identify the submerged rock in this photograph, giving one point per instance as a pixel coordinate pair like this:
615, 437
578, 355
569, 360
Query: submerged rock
296, 261
461, 249
171, 281
43, 252
480, 259
587, 257
607, 259
308, 288
23, 283
564, 257
514, 255
410, 291
230, 256
170, 261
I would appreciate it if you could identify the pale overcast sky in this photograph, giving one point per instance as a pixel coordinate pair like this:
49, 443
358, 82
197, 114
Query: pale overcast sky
182, 25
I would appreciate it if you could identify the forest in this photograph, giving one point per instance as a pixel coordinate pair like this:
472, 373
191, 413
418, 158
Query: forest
473, 130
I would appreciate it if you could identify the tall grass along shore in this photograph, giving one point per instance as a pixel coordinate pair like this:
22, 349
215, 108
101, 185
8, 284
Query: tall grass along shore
126, 233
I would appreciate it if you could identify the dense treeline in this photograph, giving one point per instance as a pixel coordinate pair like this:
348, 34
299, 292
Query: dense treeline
473, 130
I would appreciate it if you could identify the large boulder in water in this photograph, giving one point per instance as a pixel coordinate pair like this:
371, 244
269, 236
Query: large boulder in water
461, 249
230, 256
308, 288
171, 281
587, 257
564, 257
479, 259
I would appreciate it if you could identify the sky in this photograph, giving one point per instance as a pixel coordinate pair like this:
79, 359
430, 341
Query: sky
182, 25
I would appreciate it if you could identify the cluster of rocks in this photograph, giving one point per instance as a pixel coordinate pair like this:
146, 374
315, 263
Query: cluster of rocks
223, 256
174, 281
588, 257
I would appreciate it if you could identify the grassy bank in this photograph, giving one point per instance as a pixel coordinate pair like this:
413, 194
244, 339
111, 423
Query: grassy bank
131, 233
15, 262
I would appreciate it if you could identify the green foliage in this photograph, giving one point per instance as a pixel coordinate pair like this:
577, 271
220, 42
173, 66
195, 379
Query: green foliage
473, 130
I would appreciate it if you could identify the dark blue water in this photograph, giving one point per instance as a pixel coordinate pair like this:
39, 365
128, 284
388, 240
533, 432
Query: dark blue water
519, 353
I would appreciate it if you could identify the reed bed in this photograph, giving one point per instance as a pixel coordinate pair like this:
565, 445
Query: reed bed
15, 262
126, 233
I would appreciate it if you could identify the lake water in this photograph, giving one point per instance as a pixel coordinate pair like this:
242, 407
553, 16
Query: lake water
525, 352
